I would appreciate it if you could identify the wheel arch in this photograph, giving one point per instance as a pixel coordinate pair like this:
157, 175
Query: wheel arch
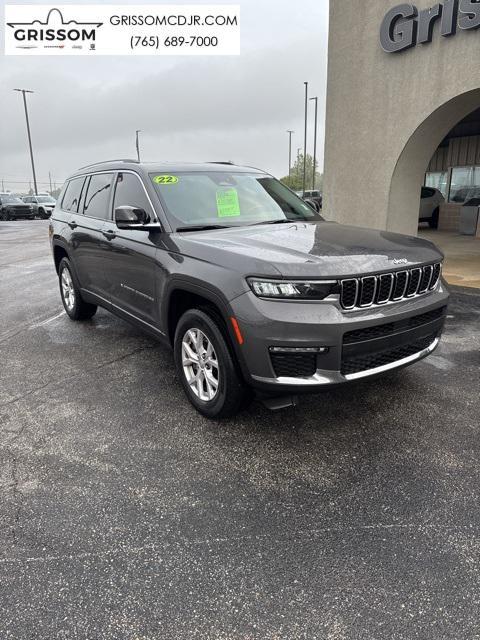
183, 295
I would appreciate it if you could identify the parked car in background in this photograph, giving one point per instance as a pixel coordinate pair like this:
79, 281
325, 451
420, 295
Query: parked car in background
430, 201
313, 197
42, 205
12, 208
460, 195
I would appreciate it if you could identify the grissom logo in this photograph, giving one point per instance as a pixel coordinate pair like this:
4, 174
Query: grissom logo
54, 29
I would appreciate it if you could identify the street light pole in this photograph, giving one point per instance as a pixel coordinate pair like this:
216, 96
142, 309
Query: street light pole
290, 152
315, 144
23, 92
137, 143
305, 140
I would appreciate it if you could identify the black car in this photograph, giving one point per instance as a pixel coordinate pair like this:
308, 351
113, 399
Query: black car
12, 208
247, 283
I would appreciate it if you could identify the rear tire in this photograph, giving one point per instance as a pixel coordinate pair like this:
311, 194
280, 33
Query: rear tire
206, 366
433, 222
73, 303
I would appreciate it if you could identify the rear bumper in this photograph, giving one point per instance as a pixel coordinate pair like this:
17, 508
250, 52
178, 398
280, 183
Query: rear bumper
354, 345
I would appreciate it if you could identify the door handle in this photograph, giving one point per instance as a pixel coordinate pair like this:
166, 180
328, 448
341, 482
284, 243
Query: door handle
109, 234
73, 224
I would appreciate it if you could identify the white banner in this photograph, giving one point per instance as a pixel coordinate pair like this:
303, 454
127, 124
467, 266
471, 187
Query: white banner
34, 29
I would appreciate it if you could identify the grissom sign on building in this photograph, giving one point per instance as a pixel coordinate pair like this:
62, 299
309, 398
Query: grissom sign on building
405, 26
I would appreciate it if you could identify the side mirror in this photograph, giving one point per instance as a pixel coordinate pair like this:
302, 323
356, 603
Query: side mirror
131, 217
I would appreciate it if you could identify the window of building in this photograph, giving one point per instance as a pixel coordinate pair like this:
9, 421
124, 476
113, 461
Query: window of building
72, 194
98, 196
437, 180
465, 184
130, 192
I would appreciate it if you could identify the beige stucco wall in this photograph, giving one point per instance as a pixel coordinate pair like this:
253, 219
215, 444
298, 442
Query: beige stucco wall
387, 113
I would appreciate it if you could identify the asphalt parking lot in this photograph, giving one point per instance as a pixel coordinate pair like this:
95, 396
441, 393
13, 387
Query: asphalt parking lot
126, 515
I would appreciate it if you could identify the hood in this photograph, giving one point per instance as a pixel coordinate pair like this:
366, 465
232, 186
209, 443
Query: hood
323, 249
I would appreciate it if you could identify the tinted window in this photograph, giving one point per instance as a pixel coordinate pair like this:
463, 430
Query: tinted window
72, 195
98, 196
130, 192
427, 193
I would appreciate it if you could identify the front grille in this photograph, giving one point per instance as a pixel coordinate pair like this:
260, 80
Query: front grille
388, 287
294, 365
368, 288
382, 330
367, 361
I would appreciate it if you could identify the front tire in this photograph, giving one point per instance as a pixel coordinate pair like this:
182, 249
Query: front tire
206, 367
73, 303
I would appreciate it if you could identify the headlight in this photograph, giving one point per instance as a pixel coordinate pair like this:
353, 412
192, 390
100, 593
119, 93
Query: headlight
299, 289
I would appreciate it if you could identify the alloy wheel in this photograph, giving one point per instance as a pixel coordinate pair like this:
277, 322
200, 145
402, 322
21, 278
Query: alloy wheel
68, 291
200, 365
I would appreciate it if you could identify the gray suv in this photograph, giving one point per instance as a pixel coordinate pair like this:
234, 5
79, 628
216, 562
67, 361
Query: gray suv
247, 283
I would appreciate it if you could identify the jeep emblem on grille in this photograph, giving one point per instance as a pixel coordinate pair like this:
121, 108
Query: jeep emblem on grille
400, 261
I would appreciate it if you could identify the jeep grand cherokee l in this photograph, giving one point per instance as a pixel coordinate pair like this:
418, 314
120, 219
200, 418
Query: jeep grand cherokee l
247, 283
12, 208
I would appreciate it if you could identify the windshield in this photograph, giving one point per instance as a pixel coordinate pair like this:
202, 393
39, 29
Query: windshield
10, 200
45, 199
227, 199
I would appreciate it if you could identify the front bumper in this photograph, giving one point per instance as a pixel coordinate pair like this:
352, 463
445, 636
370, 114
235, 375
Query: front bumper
384, 338
21, 214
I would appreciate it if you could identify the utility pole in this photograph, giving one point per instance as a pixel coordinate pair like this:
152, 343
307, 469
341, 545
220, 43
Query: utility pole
290, 152
305, 140
137, 143
50, 180
23, 92
315, 144
3, 186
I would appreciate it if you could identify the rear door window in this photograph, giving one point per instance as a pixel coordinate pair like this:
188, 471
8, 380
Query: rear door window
97, 198
72, 195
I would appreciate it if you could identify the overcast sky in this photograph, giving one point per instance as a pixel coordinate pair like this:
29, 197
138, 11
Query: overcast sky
189, 108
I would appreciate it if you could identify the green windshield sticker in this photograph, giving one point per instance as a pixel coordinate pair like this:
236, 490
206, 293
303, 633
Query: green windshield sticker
227, 203
165, 179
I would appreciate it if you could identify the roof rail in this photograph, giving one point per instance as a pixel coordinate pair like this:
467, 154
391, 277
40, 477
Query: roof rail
94, 164
221, 162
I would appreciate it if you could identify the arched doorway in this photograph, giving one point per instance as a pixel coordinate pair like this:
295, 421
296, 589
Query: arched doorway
462, 265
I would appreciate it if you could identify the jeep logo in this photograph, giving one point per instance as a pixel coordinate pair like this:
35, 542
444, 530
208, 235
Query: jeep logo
400, 261
404, 26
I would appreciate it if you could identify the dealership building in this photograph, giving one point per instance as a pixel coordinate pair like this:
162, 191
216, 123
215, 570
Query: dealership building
403, 111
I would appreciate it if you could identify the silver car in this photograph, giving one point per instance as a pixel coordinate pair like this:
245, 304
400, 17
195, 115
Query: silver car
42, 205
430, 201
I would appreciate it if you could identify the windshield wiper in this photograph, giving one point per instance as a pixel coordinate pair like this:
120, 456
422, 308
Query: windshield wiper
280, 221
206, 227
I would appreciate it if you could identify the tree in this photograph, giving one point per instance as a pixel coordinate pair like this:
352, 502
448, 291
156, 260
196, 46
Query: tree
295, 180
